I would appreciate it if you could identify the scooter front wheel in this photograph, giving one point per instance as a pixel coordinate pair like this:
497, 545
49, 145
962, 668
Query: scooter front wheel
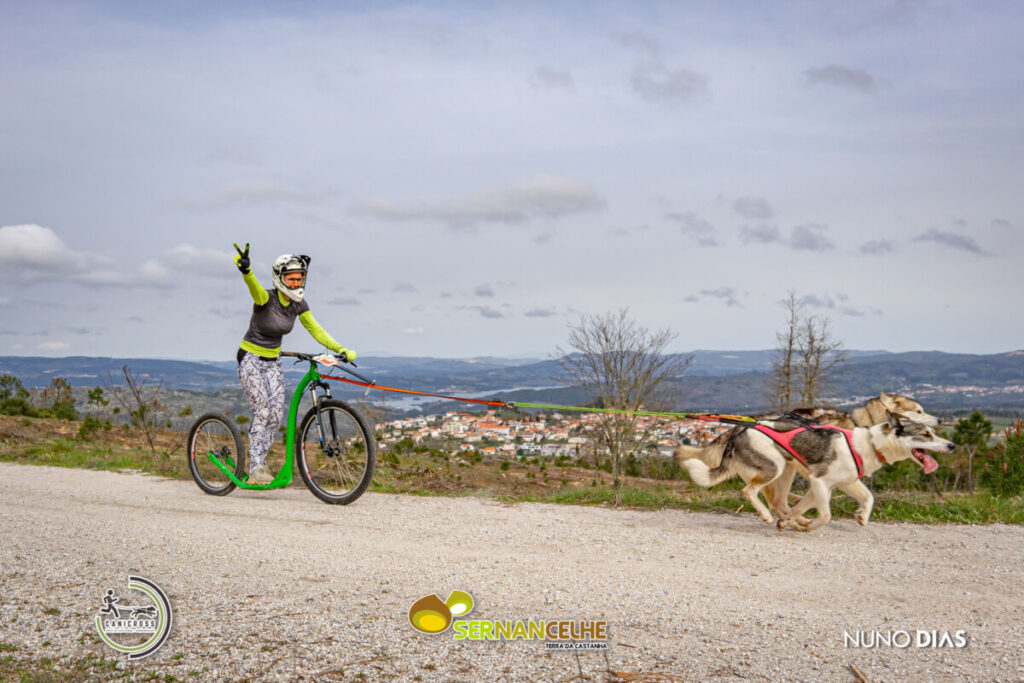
335, 452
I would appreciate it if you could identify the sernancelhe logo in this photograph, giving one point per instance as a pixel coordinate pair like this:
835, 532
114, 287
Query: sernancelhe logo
136, 629
432, 615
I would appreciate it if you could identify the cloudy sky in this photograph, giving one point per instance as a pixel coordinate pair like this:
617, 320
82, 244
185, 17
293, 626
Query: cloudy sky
469, 178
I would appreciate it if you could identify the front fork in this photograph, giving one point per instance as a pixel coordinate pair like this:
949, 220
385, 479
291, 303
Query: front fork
317, 398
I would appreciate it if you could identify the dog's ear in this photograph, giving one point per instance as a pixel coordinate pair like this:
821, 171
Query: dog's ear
894, 421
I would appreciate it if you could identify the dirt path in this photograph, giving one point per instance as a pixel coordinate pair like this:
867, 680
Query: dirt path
280, 586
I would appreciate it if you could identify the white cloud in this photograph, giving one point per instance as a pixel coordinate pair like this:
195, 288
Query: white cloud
521, 202
654, 80
54, 346
760, 234
485, 311
235, 156
877, 247
693, 225
183, 260
343, 301
726, 294
811, 237
841, 76
258, 191
193, 259
38, 252
657, 83
556, 79
827, 302
35, 249
103, 277
754, 208
952, 240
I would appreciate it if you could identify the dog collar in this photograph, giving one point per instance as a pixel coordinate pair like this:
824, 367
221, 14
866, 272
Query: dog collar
878, 454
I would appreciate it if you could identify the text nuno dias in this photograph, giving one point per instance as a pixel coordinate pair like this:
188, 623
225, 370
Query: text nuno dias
904, 639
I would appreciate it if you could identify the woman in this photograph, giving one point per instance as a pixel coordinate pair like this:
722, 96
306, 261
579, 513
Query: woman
259, 357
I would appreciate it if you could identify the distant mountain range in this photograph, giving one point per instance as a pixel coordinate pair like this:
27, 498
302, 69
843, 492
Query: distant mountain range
715, 380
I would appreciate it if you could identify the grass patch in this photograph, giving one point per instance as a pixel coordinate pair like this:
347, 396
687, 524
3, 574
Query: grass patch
92, 457
911, 506
641, 498
70, 669
890, 506
41, 442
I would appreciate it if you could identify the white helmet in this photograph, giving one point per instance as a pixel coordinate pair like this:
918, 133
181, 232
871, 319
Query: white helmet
289, 263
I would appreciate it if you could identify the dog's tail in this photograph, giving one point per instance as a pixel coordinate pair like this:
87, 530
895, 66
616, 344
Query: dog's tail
707, 466
710, 455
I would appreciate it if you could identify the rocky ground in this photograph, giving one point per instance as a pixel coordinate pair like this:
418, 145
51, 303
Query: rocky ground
278, 586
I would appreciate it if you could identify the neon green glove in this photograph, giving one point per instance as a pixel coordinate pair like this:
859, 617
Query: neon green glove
349, 356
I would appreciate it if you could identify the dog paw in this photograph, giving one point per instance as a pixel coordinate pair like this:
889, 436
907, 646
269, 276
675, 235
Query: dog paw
862, 520
799, 523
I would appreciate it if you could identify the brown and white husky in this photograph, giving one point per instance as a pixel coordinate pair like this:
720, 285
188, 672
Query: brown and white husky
774, 451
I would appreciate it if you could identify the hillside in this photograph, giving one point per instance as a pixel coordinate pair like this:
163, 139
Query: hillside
716, 380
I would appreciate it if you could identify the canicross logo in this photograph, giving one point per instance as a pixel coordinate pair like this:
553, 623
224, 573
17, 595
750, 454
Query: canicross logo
137, 625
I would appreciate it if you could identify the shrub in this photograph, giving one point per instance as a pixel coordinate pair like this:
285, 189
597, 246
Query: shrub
17, 406
58, 395
14, 397
11, 387
1003, 473
90, 425
904, 475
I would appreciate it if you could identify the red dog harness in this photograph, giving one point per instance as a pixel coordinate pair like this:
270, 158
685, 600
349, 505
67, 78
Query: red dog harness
785, 440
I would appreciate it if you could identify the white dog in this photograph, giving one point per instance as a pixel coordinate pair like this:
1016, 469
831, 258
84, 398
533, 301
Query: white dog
774, 451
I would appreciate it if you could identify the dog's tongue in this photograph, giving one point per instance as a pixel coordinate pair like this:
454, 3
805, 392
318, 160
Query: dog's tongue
929, 463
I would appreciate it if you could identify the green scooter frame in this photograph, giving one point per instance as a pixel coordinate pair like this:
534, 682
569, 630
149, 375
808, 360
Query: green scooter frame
284, 476
332, 446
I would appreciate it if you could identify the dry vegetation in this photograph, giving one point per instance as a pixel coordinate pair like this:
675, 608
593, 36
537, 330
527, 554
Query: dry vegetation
52, 442
56, 442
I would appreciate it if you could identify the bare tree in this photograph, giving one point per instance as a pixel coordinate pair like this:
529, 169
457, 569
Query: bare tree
620, 365
807, 358
780, 390
820, 355
144, 408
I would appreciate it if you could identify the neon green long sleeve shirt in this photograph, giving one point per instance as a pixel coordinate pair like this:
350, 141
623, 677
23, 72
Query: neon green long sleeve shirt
273, 316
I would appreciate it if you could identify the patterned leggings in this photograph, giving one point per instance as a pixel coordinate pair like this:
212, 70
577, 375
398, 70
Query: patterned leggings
263, 383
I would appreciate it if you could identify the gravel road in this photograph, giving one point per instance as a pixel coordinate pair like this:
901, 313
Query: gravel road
279, 586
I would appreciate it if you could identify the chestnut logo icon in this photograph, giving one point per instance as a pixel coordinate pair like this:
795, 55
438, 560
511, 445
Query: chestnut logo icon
430, 614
